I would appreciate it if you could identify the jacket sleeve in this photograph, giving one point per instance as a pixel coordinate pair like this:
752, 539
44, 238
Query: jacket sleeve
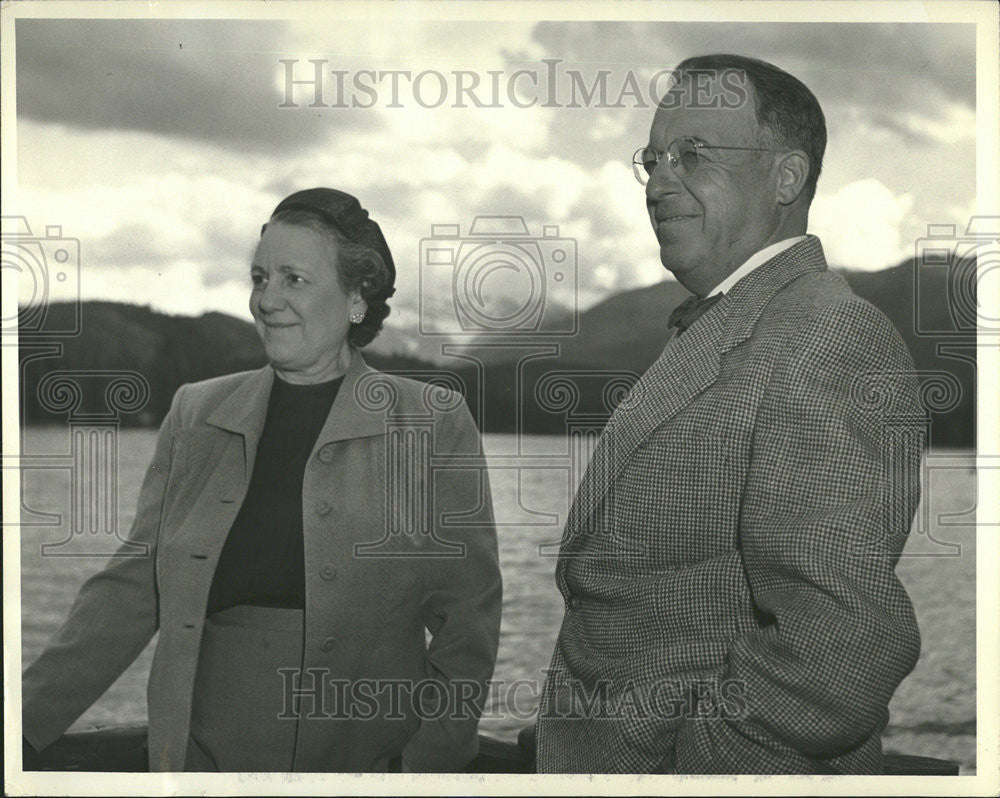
113, 618
460, 605
833, 486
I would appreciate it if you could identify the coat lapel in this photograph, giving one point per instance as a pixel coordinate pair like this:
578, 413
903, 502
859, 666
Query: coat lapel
220, 466
358, 411
688, 364
243, 413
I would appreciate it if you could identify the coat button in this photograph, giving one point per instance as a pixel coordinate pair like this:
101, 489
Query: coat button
328, 644
326, 454
328, 572
573, 603
323, 508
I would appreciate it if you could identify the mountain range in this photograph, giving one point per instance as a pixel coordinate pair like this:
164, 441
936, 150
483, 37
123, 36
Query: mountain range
511, 390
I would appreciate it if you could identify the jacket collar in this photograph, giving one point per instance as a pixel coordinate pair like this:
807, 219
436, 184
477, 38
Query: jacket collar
746, 300
244, 410
357, 411
688, 364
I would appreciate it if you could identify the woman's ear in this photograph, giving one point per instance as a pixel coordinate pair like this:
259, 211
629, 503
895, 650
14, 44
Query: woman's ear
358, 304
793, 171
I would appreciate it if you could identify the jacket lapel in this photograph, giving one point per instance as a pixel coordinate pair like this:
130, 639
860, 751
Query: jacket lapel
688, 364
359, 409
243, 413
750, 296
356, 412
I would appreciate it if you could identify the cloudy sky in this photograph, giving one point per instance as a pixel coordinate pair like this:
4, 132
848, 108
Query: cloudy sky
162, 145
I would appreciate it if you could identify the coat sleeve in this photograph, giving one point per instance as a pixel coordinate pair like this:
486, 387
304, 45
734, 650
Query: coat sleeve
460, 605
833, 486
113, 618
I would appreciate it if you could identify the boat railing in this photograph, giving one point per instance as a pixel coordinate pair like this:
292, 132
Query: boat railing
122, 749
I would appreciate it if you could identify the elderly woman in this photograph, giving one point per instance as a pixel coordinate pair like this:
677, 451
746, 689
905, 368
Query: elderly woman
322, 565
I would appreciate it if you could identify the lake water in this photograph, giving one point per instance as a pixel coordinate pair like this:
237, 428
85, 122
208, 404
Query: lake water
933, 713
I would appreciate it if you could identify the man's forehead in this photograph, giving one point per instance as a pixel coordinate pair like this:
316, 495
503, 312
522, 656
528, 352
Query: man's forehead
697, 121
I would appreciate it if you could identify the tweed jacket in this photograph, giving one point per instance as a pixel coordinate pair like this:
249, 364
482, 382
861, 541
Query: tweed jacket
728, 563
399, 537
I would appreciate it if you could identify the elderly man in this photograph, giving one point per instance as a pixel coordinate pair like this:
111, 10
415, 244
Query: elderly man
729, 560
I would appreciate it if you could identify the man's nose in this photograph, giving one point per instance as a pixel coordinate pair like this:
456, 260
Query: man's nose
662, 180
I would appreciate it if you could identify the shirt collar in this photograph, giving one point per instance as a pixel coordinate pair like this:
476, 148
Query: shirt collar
751, 263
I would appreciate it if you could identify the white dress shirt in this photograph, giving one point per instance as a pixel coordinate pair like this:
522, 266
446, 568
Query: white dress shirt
751, 263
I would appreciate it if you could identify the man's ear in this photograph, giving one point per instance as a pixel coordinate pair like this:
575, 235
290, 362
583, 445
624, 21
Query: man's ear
793, 171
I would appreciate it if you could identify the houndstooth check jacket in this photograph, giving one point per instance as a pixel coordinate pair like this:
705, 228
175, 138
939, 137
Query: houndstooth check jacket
728, 564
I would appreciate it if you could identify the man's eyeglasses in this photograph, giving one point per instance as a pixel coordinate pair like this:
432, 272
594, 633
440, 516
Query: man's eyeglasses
682, 154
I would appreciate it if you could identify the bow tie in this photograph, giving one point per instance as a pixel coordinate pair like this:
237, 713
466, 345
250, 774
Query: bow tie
687, 312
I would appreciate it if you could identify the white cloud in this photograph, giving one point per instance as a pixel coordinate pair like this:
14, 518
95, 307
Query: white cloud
955, 123
860, 225
179, 238
177, 288
170, 221
962, 215
631, 245
394, 45
441, 83
608, 127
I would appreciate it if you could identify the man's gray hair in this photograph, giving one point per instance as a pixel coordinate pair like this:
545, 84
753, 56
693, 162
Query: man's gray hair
788, 113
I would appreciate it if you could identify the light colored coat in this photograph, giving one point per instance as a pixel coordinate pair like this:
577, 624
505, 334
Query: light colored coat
728, 563
369, 480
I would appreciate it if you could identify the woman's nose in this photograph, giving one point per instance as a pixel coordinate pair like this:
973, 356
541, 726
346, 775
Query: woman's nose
271, 298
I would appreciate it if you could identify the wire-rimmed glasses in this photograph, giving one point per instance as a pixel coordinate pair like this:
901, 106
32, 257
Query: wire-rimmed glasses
683, 155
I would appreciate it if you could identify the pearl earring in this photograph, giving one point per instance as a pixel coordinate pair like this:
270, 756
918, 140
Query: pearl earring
357, 317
